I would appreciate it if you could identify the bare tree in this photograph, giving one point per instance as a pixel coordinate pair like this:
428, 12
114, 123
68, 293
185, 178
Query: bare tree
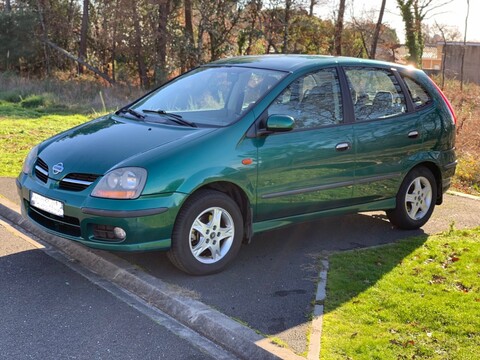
254, 12
464, 45
376, 34
444, 52
448, 34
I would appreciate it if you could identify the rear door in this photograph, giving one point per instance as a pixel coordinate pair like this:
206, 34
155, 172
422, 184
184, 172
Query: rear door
310, 168
386, 135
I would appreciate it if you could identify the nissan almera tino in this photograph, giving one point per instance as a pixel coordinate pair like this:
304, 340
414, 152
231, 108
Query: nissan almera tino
241, 146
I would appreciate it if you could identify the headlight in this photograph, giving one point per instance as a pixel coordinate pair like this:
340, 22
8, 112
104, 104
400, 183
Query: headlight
124, 183
30, 160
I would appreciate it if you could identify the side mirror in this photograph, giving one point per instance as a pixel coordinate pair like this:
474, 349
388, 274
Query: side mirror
280, 123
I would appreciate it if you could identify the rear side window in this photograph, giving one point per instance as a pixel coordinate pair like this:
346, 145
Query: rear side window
376, 93
420, 96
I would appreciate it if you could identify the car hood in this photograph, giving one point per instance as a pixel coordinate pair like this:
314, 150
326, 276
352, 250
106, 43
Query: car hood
99, 145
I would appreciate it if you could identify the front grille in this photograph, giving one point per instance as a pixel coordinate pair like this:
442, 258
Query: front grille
41, 170
67, 225
77, 182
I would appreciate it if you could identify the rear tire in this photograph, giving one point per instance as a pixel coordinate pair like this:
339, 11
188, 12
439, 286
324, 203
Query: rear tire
208, 233
415, 200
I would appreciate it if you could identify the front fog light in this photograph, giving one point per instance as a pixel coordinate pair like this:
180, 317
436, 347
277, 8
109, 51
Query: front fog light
119, 233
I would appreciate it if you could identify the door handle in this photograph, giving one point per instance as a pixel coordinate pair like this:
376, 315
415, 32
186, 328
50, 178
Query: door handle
343, 146
413, 134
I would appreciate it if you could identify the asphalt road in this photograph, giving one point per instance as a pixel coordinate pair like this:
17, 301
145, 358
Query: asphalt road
50, 311
273, 282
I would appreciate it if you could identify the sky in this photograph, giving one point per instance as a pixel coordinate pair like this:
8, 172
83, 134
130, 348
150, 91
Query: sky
452, 14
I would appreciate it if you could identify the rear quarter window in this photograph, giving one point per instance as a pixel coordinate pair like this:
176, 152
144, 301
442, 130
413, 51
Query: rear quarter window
420, 96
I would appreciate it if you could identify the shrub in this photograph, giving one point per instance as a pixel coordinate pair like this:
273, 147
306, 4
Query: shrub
468, 171
13, 96
33, 101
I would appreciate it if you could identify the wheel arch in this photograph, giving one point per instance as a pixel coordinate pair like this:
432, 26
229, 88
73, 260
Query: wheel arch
437, 174
237, 194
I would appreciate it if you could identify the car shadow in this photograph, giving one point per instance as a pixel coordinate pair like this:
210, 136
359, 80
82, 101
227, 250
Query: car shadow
272, 284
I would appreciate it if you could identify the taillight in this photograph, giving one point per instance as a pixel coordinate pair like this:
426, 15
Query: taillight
449, 105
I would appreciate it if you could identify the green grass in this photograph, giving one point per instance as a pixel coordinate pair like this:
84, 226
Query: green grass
32, 110
22, 127
417, 299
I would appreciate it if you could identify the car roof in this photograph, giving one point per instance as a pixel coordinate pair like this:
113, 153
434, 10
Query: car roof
293, 63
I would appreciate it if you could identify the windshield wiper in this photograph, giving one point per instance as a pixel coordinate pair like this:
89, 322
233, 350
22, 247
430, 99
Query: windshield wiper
173, 117
131, 112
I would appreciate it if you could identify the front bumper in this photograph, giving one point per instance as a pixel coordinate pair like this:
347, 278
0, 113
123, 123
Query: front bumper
147, 221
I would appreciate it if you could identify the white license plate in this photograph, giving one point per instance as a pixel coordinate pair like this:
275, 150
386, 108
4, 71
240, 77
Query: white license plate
51, 206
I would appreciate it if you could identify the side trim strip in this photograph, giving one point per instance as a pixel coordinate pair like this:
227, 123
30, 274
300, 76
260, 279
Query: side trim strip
331, 186
307, 190
378, 178
124, 213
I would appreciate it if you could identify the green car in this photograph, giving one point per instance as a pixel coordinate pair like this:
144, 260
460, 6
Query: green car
245, 145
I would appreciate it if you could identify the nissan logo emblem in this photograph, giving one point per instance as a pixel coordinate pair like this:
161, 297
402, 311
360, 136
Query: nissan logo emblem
57, 168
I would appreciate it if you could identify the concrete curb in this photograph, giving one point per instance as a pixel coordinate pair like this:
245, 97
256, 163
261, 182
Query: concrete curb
240, 340
460, 194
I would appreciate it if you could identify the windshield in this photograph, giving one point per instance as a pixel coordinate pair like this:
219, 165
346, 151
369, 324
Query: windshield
215, 96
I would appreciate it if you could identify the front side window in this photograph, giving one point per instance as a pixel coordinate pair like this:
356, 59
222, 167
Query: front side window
313, 100
215, 96
376, 93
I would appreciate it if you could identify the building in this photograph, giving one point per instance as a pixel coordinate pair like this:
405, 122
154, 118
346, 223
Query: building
453, 52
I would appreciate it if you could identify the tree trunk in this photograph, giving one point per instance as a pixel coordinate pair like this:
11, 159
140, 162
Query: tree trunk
339, 28
312, 4
376, 34
286, 26
420, 43
44, 35
137, 46
82, 50
190, 50
256, 11
444, 53
114, 41
161, 42
410, 33
464, 46
8, 6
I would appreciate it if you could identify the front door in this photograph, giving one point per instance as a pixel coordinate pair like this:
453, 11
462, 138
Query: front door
310, 168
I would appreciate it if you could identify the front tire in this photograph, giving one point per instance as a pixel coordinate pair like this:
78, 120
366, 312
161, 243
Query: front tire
208, 233
415, 200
